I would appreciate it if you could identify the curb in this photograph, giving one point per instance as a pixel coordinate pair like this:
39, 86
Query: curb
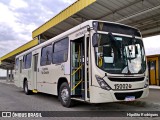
154, 87
140, 103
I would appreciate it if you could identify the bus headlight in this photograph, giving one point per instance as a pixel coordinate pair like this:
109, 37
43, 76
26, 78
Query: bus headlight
146, 83
102, 83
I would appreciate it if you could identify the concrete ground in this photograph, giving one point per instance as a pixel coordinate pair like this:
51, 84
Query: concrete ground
13, 99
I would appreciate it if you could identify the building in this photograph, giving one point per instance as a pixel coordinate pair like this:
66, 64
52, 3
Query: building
154, 69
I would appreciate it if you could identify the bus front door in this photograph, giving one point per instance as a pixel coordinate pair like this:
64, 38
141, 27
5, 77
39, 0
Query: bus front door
79, 68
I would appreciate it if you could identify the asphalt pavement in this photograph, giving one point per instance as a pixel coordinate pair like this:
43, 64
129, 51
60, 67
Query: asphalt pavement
14, 99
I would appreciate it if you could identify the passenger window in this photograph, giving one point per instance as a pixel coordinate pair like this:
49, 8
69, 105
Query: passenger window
60, 51
46, 55
23, 62
27, 62
17, 64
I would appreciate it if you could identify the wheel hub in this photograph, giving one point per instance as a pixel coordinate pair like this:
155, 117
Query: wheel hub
65, 95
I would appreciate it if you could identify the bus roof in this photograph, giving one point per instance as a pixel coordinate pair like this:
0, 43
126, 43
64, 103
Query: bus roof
88, 23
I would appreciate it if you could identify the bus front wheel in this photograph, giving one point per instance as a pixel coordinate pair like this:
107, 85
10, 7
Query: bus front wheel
64, 95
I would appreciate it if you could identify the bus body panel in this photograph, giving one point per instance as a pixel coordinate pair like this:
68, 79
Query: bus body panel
133, 85
99, 95
47, 77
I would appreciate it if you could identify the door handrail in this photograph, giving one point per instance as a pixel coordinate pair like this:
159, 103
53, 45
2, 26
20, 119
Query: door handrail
77, 85
76, 70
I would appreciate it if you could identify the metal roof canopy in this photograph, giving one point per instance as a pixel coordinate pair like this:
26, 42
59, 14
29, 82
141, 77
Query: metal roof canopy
7, 61
142, 14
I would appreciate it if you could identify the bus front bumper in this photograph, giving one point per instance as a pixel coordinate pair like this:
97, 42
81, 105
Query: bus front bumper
99, 95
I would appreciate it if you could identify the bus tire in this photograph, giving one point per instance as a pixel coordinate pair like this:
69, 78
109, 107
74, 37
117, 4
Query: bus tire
25, 88
64, 95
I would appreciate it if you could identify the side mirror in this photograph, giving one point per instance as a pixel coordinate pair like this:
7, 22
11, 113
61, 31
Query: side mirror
95, 40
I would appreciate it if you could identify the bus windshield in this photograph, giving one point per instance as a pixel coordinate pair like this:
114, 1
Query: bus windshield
117, 54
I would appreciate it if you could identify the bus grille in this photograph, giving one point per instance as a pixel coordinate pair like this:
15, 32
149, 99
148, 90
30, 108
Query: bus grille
126, 79
122, 96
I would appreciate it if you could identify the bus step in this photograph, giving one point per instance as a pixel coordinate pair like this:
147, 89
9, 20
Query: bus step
35, 91
78, 99
76, 96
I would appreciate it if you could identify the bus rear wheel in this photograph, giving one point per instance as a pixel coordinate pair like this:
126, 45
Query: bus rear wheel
25, 87
64, 95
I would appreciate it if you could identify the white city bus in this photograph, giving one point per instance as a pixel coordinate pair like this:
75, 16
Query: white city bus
95, 62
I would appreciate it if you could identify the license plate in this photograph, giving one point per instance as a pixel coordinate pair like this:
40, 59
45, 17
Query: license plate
130, 98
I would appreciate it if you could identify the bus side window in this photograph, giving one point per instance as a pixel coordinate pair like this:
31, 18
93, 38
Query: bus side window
27, 61
17, 64
60, 51
46, 55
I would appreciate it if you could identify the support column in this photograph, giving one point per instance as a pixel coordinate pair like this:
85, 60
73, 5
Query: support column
11, 75
7, 75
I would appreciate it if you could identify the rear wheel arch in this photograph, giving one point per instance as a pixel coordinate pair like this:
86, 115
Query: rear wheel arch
24, 80
25, 87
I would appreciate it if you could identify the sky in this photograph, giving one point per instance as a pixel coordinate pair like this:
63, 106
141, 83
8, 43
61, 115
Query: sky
152, 45
18, 18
